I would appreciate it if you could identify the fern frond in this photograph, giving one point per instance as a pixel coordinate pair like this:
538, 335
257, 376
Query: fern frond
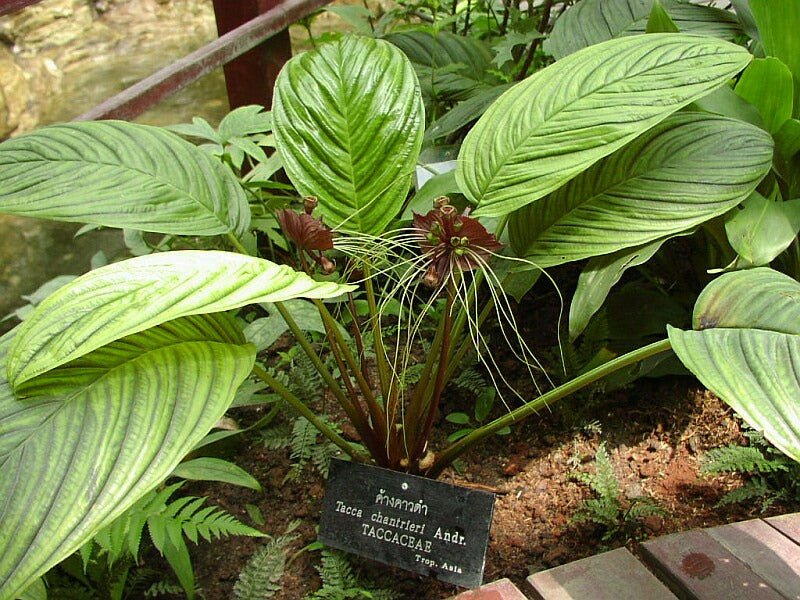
339, 581
260, 576
304, 381
321, 455
336, 571
604, 482
411, 375
220, 523
277, 437
749, 490
163, 588
470, 379
304, 436
744, 459
643, 507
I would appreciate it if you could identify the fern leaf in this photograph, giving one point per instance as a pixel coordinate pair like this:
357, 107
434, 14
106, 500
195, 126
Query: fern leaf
336, 570
643, 507
276, 437
222, 523
304, 435
604, 482
744, 459
260, 576
321, 455
162, 588
470, 379
749, 490
339, 581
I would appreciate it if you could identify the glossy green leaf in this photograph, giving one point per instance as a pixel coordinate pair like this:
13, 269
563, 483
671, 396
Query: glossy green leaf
348, 122
748, 350
207, 468
668, 180
451, 67
465, 112
787, 139
597, 278
778, 23
766, 83
745, 16
659, 20
725, 102
93, 436
441, 184
120, 174
763, 228
695, 18
562, 119
591, 22
136, 294
35, 591
758, 298
244, 121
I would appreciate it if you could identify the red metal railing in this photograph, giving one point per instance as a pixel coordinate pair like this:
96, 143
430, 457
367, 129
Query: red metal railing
253, 45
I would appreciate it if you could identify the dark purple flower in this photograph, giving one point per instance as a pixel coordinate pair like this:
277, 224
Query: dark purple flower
454, 242
310, 235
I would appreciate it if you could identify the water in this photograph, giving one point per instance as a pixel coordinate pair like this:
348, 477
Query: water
131, 42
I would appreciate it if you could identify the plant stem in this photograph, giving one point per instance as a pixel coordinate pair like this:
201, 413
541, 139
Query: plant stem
466, 343
417, 404
380, 352
433, 402
352, 408
306, 412
458, 448
362, 355
236, 244
543, 23
506, 14
342, 352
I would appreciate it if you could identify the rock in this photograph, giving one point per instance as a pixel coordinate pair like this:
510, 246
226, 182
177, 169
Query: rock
633, 490
14, 94
49, 23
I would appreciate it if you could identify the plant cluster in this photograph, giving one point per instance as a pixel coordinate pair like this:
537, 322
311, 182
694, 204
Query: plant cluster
620, 517
769, 475
680, 123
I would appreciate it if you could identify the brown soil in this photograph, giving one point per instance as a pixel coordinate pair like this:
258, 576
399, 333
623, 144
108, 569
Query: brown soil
655, 433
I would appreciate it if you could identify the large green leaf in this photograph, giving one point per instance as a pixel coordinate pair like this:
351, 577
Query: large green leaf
778, 23
134, 295
562, 119
120, 174
93, 436
597, 278
464, 112
449, 67
748, 350
763, 228
590, 22
348, 122
766, 83
686, 170
696, 18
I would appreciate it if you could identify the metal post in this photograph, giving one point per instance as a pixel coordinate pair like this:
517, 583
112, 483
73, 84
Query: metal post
251, 77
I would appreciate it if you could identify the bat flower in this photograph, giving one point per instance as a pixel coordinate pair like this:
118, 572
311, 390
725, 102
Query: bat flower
454, 242
310, 235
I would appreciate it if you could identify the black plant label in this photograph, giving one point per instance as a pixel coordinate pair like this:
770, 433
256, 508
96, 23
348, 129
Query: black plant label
418, 524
